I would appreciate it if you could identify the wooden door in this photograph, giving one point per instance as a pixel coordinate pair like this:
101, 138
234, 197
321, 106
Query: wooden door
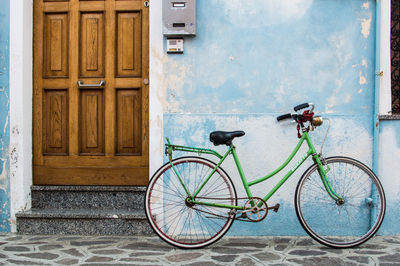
90, 119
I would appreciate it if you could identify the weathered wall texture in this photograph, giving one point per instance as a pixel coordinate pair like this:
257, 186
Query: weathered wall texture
253, 60
4, 118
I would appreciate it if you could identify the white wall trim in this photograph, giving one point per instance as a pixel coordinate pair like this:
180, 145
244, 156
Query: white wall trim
156, 94
21, 32
385, 95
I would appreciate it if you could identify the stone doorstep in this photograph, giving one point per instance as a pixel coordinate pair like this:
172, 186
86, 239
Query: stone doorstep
88, 197
83, 222
83, 214
86, 210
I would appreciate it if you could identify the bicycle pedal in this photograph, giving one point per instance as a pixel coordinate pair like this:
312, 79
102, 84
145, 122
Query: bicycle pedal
275, 208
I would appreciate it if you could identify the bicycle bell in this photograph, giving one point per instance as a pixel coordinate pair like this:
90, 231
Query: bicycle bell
316, 121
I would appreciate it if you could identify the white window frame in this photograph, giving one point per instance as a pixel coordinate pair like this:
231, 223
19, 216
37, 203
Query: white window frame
385, 93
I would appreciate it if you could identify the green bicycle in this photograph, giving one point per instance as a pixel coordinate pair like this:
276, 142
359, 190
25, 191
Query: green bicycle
191, 202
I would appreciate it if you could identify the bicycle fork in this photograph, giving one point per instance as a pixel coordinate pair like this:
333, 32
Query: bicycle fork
323, 170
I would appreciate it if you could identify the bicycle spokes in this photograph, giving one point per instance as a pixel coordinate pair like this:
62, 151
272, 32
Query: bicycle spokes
175, 216
350, 220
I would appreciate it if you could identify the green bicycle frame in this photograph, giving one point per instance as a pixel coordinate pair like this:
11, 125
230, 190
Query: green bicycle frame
232, 150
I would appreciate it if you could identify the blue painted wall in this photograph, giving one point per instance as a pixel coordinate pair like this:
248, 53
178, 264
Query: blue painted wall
253, 60
4, 117
248, 56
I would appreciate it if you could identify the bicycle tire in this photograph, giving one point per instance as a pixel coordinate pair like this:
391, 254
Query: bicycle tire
178, 223
346, 224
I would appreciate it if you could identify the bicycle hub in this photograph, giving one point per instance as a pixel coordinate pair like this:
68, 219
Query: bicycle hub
340, 202
189, 202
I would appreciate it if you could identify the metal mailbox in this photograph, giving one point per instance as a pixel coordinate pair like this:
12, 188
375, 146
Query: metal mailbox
179, 17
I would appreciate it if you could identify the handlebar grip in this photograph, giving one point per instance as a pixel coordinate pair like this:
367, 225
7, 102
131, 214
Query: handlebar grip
301, 106
282, 117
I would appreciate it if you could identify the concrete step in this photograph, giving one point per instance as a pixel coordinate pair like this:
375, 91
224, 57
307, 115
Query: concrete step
88, 197
83, 222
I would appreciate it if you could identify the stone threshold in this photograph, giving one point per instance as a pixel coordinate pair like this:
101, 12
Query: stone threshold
83, 214
89, 188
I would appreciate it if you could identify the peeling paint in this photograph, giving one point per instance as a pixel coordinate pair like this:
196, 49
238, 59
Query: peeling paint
157, 74
333, 99
363, 80
14, 155
366, 26
3, 171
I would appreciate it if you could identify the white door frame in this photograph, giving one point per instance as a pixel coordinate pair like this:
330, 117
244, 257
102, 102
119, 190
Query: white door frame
20, 106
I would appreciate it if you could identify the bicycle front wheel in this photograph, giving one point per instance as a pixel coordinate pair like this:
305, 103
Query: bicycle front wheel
340, 224
179, 222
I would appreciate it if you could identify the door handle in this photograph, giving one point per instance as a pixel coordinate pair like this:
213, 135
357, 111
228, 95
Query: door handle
100, 84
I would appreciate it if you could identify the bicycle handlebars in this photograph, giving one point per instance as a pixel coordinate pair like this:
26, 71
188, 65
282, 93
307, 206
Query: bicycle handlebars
309, 113
301, 106
285, 116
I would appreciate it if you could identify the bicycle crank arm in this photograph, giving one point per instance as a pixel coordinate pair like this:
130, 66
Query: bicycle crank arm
275, 208
250, 210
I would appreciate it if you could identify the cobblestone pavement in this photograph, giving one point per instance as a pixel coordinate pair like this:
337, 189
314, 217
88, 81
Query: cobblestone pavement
100, 250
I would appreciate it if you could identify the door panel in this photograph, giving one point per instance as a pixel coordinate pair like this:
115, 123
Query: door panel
91, 45
129, 42
55, 130
92, 122
56, 45
128, 122
95, 133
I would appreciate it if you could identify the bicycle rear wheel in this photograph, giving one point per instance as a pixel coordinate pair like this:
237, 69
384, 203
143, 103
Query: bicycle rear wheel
340, 224
185, 225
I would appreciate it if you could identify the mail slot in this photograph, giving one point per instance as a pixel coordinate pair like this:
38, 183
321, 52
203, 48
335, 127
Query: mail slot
179, 17
178, 4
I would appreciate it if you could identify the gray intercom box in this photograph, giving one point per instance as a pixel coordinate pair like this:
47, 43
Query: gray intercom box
179, 17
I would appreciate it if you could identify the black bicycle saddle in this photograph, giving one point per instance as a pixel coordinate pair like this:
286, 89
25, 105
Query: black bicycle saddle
223, 137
